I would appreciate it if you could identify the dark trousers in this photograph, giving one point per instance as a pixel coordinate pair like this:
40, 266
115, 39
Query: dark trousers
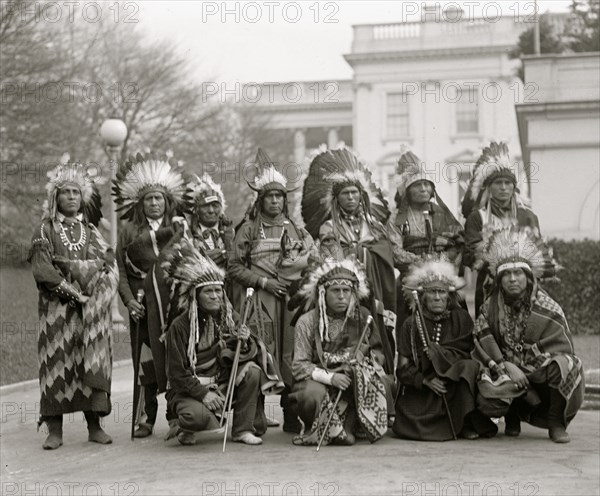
248, 408
545, 382
309, 395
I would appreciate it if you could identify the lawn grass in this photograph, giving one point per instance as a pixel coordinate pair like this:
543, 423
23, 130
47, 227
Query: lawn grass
18, 340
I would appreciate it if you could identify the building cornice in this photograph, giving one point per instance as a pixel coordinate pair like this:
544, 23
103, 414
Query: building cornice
376, 57
305, 107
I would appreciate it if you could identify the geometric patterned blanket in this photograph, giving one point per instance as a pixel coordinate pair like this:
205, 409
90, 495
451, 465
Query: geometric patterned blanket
370, 405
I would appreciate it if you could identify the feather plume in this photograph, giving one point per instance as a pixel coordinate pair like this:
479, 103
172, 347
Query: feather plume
205, 186
431, 273
85, 177
188, 269
331, 167
141, 174
516, 246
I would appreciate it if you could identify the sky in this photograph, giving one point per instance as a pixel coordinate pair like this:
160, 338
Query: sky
258, 41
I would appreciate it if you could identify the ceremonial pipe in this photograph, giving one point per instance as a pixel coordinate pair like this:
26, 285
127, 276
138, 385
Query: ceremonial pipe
339, 394
136, 366
227, 403
426, 340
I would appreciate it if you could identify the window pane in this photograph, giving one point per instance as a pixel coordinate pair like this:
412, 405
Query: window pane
467, 112
397, 115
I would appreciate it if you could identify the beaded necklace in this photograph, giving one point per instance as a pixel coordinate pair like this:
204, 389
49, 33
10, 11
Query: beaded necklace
71, 246
411, 213
262, 234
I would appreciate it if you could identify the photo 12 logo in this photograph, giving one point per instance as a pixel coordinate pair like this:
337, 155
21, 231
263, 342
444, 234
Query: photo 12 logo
253, 12
71, 11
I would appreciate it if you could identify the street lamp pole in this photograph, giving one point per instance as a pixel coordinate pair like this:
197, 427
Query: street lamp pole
113, 133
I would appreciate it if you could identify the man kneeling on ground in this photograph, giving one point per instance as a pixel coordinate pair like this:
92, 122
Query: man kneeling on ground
333, 354
437, 375
522, 334
200, 346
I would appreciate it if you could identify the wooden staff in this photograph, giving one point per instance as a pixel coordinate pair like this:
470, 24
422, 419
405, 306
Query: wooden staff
426, 341
227, 403
339, 395
136, 366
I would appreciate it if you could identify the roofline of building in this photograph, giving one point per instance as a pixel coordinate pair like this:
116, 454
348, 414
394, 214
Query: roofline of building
304, 107
467, 20
550, 56
373, 57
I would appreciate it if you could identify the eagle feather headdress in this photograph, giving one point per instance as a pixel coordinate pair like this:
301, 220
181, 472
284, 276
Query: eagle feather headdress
493, 163
410, 170
346, 272
187, 269
268, 176
330, 171
433, 273
204, 190
145, 173
85, 177
515, 247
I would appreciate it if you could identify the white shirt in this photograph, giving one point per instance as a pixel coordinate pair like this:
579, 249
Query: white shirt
154, 223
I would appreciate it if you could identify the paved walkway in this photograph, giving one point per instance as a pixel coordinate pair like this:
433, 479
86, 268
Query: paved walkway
530, 465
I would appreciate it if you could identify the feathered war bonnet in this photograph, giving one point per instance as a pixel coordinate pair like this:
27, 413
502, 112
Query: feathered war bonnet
327, 273
148, 173
431, 274
203, 190
410, 170
493, 163
268, 178
515, 248
330, 171
188, 270
85, 178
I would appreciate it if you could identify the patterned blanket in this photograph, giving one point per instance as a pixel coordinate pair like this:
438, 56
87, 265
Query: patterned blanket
370, 404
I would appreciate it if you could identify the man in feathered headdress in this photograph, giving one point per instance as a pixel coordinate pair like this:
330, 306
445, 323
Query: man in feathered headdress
329, 357
341, 204
425, 222
200, 344
437, 376
211, 229
522, 332
492, 201
270, 251
151, 193
76, 276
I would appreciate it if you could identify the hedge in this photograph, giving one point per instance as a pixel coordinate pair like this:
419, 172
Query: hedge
578, 288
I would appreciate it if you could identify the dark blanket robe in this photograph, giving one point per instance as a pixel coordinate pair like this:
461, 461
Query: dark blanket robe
74, 342
546, 339
420, 412
138, 250
447, 237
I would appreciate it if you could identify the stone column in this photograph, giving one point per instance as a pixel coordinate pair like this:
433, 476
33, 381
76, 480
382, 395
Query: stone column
332, 137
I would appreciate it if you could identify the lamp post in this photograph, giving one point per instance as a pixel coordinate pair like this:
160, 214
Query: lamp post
113, 133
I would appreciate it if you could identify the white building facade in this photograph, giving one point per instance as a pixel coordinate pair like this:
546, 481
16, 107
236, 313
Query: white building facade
441, 89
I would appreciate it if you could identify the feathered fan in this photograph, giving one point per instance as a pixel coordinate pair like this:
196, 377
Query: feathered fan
338, 167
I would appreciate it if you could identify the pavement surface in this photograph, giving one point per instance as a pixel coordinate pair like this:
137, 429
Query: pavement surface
530, 465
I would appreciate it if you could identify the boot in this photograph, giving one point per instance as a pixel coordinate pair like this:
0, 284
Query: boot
143, 430
95, 433
512, 426
291, 422
54, 439
556, 422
